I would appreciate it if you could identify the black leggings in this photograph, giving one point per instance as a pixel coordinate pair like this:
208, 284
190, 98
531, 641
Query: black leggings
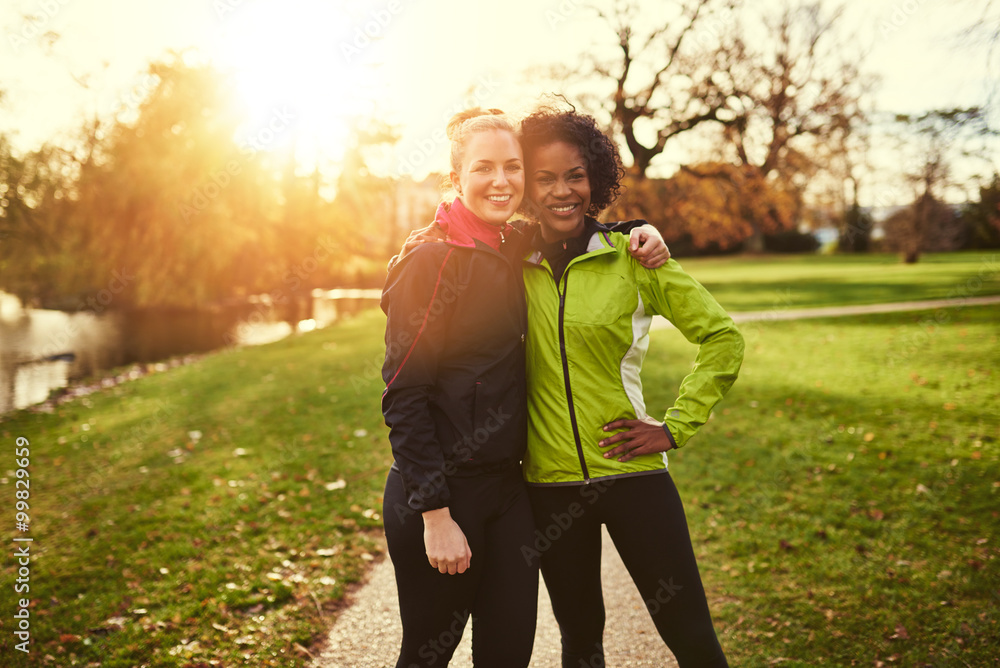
499, 590
645, 519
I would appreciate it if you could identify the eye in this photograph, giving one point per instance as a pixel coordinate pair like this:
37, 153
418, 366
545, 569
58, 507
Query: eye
513, 168
482, 169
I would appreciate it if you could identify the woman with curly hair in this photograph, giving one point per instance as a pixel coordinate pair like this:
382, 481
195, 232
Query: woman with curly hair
589, 309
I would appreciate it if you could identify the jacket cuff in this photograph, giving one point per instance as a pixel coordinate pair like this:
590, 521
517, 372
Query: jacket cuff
670, 436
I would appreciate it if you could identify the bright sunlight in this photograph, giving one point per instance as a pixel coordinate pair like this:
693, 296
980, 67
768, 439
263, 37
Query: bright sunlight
289, 59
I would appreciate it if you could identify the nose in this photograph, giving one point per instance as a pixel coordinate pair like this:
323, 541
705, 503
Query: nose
499, 178
561, 189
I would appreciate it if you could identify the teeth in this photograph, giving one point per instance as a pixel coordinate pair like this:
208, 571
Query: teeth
499, 198
563, 209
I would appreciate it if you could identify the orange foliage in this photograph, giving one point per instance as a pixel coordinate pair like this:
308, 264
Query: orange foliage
712, 204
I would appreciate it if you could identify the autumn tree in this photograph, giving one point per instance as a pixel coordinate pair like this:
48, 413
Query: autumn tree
715, 206
770, 84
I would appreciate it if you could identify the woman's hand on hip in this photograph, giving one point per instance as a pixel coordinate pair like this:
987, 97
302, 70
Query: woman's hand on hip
641, 437
647, 246
446, 545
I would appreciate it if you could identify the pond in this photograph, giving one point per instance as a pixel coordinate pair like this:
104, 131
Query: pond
43, 350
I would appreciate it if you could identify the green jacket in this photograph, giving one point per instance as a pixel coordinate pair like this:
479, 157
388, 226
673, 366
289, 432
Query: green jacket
587, 338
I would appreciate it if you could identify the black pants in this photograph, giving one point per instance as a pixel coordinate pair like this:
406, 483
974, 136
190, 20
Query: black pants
645, 518
499, 590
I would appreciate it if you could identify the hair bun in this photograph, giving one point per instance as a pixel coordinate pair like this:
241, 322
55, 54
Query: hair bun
461, 117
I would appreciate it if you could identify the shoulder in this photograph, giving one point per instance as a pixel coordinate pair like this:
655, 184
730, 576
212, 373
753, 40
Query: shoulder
420, 269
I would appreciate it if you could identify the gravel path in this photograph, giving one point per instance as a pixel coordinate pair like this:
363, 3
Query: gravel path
366, 634
835, 311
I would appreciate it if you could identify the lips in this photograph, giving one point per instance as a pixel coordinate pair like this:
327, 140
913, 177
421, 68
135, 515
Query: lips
499, 200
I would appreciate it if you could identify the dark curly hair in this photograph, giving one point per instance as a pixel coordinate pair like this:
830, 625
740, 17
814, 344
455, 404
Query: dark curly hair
547, 124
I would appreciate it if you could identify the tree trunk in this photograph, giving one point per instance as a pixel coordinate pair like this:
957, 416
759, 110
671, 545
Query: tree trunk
754, 243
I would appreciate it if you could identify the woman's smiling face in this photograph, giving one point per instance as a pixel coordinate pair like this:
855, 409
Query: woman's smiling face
558, 189
491, 183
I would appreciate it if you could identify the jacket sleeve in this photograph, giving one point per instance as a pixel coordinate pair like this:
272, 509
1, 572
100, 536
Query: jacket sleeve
670, 292
416, 302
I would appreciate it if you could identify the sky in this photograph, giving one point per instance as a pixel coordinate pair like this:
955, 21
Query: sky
413, 62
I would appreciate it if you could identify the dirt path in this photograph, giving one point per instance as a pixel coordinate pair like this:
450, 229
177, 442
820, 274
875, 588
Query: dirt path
366, 635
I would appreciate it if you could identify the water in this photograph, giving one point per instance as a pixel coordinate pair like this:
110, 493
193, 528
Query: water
42, 350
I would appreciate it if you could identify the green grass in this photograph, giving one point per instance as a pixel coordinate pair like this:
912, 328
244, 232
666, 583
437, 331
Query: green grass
799, 281
843, 500
145, 537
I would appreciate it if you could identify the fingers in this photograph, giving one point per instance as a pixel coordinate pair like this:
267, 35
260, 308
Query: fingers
454, 565
622, 422
616, 438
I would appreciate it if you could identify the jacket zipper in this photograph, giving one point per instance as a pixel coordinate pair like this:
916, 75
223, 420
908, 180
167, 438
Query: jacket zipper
565, 364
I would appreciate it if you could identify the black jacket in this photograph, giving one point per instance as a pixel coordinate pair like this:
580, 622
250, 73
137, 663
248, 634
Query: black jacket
455, 399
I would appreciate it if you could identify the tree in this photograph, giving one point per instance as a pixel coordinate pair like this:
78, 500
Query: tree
936, 137
664, 77
926, 225
710, 206
770, 100
981, 219
794, 95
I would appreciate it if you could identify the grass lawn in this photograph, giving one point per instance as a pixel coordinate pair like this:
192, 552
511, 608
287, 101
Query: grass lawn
156, 547
744, 283
843, 500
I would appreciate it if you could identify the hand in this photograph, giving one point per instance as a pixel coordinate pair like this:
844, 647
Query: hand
445, 543
647, 246
431, 233
642, 437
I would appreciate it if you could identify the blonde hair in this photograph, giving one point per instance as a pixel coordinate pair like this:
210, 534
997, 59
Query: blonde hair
467, 123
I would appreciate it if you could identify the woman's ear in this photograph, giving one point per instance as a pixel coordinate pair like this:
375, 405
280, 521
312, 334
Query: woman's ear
456, 183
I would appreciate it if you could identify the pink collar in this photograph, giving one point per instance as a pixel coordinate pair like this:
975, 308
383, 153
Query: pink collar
463, 227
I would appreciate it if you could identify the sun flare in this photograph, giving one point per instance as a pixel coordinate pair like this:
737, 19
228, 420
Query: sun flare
289, 59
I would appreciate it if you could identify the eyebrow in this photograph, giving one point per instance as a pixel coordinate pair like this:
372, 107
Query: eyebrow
568, 171
490, 162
